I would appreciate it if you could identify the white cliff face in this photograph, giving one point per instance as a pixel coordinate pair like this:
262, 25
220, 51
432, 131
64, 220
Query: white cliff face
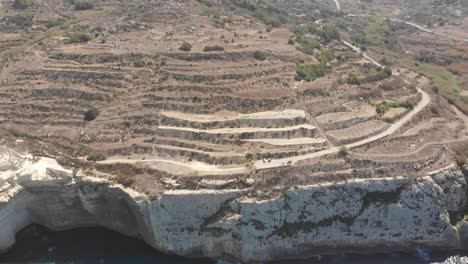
374, 214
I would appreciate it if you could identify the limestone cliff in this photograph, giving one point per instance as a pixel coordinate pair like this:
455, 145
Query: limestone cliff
391, 214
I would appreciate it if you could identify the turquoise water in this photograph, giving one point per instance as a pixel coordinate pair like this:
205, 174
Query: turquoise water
38, 245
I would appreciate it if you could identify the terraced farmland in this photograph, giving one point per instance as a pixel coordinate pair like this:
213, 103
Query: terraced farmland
215, 92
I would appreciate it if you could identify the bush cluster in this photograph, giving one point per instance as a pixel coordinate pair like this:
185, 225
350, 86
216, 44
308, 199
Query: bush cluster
78, 38
310, 72
185, 47
383, 107
213, 48
260, 55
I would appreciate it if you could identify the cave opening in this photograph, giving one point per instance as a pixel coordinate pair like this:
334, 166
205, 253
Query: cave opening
38, 244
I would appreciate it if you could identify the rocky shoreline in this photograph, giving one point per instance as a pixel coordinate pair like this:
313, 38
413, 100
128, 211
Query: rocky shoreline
378, 215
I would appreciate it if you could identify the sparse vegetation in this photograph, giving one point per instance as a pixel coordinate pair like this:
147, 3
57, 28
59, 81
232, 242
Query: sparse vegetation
448, 85
170, 84
383, 107
310, 72
260, 55
308, 45
139, 64
78, 38
83, 5
267, 12
96, 156
21, 4
353, 78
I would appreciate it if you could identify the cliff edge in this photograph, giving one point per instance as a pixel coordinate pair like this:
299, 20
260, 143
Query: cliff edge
385, 214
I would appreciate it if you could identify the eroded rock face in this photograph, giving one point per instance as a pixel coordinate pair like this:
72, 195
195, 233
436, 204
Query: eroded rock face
453, 183
393, 214
389, 214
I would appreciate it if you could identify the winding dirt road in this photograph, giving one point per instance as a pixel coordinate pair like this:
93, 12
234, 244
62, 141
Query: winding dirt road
428, 30
207, 169
358, 50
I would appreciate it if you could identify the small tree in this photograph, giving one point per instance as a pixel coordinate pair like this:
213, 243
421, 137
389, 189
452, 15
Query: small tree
344, 152
185, 47
91, 114
353, 78
213, 48
78, 38
388, 71
260, 55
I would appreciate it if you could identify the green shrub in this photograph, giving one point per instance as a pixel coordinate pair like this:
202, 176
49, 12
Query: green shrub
410, 104
20, 20
185, 47
327, 56
353, 78
329, 33
308, 45
310, 72
139, 64
83, 5
96, 156
388, 71
383, 107
213, 48
269, 13
435, 110
344, 152
91, 114
21, 4
78, 38
260, 55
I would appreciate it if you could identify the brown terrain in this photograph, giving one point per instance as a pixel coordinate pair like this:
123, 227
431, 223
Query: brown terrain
237, 115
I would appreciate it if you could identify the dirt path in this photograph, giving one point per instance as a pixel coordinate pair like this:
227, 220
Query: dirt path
394, 127
358, 50
428, 30
419, 149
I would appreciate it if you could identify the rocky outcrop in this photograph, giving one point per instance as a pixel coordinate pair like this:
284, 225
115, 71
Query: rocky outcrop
390, 214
